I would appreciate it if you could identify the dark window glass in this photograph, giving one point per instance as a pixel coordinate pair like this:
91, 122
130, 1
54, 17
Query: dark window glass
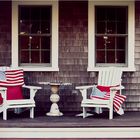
24, 42
25, 56
45, 56
101, 56
35, 56
111, 33
34, 34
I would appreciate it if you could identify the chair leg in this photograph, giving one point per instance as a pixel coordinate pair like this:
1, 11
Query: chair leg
111, 113
5, 114
32, 112
84, 112
98, 110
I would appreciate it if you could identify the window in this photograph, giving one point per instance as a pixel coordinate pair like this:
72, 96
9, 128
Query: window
35, 35
111, 35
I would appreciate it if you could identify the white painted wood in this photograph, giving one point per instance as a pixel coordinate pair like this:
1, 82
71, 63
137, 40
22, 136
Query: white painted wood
100, 132
110, 76
21, 103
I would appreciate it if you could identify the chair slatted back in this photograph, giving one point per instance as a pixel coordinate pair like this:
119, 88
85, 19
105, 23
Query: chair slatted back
110, 76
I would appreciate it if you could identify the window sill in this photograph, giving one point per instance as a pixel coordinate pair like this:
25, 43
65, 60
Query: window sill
25, 68
127, 69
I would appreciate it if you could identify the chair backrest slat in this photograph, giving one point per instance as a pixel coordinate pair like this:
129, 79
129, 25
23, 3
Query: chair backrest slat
110, 76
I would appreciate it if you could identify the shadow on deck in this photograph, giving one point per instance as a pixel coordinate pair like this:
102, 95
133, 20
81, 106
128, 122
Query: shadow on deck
69, 120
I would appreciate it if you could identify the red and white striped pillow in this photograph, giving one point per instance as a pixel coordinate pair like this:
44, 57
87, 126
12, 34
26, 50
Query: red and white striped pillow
13, 83
13, 78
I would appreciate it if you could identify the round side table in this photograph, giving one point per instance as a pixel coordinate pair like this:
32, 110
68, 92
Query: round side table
54, 98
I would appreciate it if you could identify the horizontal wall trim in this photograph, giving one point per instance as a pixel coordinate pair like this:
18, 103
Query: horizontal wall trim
119, 132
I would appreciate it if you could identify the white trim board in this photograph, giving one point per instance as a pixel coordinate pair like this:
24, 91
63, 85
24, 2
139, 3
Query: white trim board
122, 132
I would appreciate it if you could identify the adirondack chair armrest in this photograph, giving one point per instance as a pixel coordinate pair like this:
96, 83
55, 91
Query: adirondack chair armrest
117, 88
33, 90
83, 90
113, 91
32, 87
3, 92
84, 87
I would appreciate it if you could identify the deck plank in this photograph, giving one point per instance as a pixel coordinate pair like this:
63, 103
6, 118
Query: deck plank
129, 119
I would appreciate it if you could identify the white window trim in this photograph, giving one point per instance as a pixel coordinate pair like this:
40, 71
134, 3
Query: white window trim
91, 33
15, 63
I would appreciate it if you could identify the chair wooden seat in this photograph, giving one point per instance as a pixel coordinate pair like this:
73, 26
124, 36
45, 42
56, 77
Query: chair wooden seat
96, 102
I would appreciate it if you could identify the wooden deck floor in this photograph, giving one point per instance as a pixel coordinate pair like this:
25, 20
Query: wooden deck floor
69, 120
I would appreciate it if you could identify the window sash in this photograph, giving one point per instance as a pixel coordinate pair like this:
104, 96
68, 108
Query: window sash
130, 65
107, 34
54, 37
35, 48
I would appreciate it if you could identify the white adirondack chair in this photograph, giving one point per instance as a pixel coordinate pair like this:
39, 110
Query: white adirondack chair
18, 103
110, 76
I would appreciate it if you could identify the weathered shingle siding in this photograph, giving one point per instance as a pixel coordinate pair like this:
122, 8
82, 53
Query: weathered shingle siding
73, 41
5, 33
73, 57
132, 80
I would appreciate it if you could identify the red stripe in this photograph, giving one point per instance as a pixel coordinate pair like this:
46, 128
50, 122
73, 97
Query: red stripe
97, 97
117, 101
13, 78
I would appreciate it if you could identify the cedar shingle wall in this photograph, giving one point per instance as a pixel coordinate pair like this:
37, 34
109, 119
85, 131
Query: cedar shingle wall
132, 80
73, 54
5, 33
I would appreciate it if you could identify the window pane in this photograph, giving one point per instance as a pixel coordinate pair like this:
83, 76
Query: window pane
45, 27
35, 57
101, 27
100, 43
110, 13
100, 57
110, 43
45, 43
35, 42
121, 42
24, 42
110, 57
35, 27
35, 13
120, 56
45, 56
46, 13
111, 27
122, 14
121, 28
24, 56
100, 13
24, 27
24, 13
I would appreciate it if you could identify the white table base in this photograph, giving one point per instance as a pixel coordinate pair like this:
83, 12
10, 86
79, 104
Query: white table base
54, 110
